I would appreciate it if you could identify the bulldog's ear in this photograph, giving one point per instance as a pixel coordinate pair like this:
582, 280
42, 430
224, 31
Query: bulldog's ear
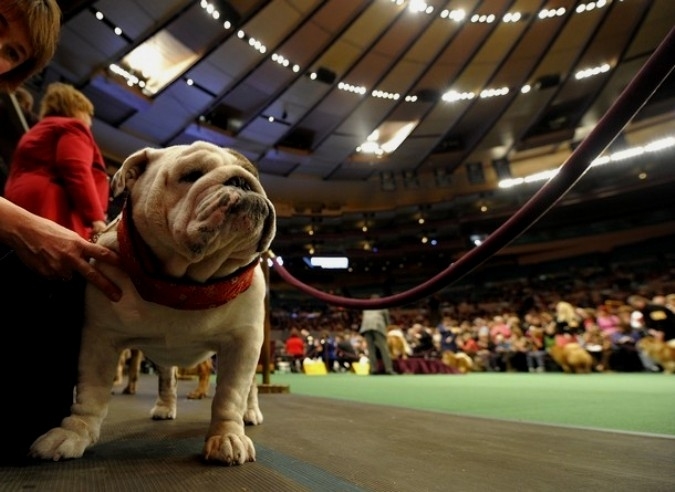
128, 173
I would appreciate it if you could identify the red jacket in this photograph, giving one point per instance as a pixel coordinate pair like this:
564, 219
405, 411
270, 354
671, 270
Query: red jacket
295, 346
58, 172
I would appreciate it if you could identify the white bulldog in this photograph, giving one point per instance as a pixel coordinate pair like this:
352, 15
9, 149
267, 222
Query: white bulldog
194, 225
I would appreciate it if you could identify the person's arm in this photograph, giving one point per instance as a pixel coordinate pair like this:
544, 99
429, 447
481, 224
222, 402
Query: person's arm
53, 250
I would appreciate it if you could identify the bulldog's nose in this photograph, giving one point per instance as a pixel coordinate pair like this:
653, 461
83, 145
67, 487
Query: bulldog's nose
238, 182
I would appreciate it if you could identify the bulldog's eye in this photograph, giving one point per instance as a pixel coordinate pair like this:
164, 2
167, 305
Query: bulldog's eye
191, 177
238, 182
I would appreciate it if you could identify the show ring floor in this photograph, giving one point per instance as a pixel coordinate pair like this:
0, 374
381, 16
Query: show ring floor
319, 444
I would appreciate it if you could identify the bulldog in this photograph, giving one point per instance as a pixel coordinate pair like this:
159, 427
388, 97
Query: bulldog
194, 224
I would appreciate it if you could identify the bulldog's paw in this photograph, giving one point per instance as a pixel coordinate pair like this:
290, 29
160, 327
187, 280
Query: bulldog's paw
163, 412
58, 444
253, 416
229, 449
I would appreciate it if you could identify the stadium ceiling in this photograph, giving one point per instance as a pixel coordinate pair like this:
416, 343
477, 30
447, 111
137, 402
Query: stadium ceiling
382, 129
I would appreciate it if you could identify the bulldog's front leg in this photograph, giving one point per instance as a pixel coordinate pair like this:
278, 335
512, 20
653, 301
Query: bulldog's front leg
226, 441
165, 406
253, 415
98, 363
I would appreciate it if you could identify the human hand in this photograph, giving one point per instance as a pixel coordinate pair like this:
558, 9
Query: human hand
55, 251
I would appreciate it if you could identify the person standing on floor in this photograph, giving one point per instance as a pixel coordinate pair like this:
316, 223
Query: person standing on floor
374, 323
40, 261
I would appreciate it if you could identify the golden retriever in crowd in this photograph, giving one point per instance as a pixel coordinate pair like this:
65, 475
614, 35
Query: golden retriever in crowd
203, 371
660, 352
572, 357
398, 345
134, 357
460, 361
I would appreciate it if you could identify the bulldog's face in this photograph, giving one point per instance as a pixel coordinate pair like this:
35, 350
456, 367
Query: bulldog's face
200, 208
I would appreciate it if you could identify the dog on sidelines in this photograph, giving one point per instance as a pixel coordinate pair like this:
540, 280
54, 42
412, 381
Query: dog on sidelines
663, 353
572, 358
397, 344
132, 359
457, 360
194, 225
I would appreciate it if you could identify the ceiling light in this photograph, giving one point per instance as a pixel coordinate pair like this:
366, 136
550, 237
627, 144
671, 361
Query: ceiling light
328, 262
638, 150
457, 15
512, 17
452, 96
590, 72
387, 137
160, 60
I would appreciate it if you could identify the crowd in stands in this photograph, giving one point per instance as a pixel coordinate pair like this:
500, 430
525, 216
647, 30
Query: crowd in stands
511, 329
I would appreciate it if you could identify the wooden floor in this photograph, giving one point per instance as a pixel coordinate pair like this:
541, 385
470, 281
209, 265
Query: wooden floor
314, 444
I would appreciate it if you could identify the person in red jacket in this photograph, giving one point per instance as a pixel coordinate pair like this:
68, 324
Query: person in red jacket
57, 171
295, 349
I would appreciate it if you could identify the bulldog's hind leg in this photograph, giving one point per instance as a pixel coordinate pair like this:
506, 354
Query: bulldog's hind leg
165, 406
98, 364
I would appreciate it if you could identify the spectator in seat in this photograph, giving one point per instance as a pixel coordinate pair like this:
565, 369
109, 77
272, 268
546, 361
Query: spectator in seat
536, 349
423, 341
345, 353
659, 321
448, 332
294, 347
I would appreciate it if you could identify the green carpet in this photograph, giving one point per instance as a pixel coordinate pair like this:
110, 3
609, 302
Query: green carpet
632, 402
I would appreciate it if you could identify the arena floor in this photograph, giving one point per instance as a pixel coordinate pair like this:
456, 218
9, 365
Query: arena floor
319, 444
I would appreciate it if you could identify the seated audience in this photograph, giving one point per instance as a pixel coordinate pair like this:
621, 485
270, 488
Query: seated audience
546, 322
